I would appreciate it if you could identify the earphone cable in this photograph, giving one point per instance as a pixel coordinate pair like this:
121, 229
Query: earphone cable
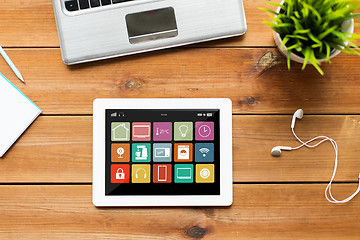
328, 194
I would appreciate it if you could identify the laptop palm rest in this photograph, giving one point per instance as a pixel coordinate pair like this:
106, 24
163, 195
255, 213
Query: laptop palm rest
151, 25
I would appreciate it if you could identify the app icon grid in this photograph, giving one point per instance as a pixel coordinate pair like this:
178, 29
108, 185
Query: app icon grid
156, 150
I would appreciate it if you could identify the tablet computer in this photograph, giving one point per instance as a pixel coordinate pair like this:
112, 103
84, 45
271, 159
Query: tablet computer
162, 152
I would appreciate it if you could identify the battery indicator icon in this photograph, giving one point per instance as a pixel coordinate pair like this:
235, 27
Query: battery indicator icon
209, 114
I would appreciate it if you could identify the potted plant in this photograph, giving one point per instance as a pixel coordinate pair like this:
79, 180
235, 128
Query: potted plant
314, 31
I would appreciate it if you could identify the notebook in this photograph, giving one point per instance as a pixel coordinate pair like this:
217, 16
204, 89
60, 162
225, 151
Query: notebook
17, 112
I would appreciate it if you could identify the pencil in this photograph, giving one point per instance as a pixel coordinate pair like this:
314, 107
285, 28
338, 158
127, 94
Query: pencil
11, 64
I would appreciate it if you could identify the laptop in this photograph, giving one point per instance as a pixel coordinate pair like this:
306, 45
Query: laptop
92, 30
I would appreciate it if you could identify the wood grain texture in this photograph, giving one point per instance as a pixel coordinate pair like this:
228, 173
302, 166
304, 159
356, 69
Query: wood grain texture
53, 149
59, 149
243, 75
27, 23
258, 212
34, 26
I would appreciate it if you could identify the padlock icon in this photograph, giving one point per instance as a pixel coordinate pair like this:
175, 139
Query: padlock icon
120, 175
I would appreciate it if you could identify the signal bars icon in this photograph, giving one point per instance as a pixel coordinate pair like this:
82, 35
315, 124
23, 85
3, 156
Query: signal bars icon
115, 114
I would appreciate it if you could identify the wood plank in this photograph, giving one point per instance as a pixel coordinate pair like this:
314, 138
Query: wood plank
59, 149
27, 23
53, 149
255, 136
243, 75
34, 26
258, 212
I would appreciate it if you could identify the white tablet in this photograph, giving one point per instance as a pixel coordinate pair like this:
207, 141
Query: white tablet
162, 152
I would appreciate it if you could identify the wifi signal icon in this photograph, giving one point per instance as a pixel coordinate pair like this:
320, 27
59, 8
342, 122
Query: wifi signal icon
204, 151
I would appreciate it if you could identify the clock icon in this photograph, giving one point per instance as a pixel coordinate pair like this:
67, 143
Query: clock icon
204, 131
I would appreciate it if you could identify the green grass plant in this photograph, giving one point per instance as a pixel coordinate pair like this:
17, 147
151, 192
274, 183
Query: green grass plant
313, 28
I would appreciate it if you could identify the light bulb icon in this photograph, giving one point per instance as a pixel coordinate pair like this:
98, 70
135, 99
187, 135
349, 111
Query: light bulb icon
120, 151
183, 130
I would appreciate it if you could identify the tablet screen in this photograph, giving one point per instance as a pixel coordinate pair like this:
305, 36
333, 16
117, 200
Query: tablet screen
162, 152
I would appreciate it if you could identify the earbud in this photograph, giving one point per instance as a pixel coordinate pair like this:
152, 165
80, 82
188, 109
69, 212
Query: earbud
298, 114
276, 151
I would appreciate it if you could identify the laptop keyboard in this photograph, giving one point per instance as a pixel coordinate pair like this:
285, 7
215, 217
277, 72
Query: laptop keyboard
75, 5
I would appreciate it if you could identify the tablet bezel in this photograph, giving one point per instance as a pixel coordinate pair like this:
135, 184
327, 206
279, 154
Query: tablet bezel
226, 192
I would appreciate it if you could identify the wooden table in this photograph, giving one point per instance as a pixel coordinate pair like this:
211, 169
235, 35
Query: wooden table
46, 177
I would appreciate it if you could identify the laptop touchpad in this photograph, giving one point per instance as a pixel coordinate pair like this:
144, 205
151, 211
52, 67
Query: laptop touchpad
151, 25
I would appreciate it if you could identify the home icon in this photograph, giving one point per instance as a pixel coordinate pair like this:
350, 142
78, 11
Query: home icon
120, 131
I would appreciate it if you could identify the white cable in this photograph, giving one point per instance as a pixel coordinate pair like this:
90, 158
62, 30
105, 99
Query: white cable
328, 194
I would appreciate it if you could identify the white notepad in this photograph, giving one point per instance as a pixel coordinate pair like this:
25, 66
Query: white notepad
17, 112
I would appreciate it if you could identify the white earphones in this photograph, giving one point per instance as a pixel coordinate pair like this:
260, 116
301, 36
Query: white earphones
298, 114
276, 152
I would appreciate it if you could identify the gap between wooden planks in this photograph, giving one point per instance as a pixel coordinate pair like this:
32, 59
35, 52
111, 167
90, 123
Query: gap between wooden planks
58, 149
256, 84
293, 211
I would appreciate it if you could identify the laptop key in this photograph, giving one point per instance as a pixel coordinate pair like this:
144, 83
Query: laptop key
71, 5
95, 3
84, 4
105, 2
